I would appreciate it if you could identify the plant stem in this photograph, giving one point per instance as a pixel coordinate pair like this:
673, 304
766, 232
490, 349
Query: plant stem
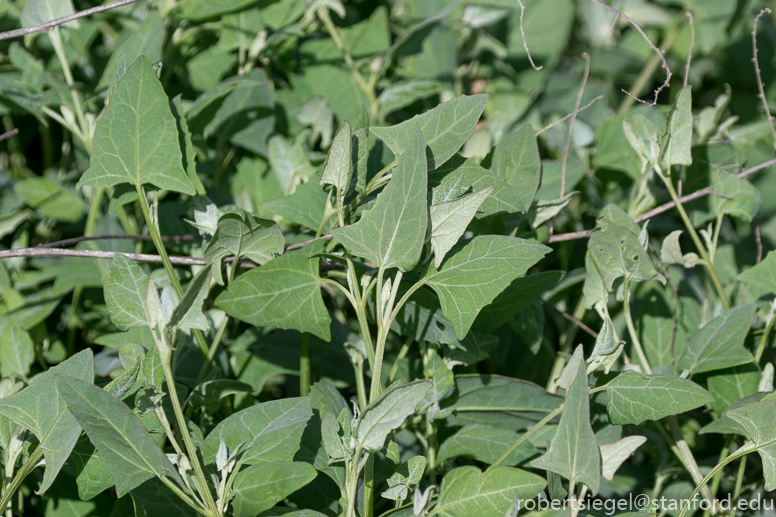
204, 487
538, 425
405, 348
764, 338
56, 42
22, 473
694, 235
632, 330
743, 451
305, 372
682, 451
715, 482
156, 238
739, 481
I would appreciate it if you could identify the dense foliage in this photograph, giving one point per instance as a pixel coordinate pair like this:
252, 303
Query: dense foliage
397, 257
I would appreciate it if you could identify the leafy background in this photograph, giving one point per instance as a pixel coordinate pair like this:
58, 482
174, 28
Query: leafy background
256, 102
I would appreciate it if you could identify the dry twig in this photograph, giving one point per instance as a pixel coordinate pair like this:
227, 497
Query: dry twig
659, 52
17, 33
760, 84
522, 33
9, 134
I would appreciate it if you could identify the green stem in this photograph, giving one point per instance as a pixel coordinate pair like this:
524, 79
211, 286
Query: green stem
764, 338
695, 238
22, 473
538, 425
682, 451
56, 42
204, 487
632, 330
199, 338
405, 348
739, 481
738, 454
715, 482
353, 486
358, 366
305, 371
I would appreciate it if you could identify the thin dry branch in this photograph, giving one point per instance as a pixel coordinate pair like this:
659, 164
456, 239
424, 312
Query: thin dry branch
522, 33
571, 318
9, 134
583, 108
760, 84
75, 240
692, 44
652, 45
584, 234
17, 33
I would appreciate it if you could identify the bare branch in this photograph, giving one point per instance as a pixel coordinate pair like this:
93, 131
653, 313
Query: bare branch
59, 21
75, 240
571, 318
759, 243
9, 134
692, 44
760, 84
652, 45
583, 108
584, 234
522, 32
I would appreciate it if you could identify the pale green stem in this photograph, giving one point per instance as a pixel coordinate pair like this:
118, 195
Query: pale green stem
199, 338
682, 451
405, 348
538, 425
715, 482
576, 504
358, 367
632, 330
204, 488
764, 338
694, 235
22, 473
305, 369
56, 42
739, 481
738, 454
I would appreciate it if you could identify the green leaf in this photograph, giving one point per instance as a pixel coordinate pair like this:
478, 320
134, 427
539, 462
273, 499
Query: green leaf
387, 413
260, 487
759, 423
147, 40
445, 129
486, 444
501, 401
188, 314
517, 297
136, 140
613, 455
516, 160
121, 440
36, 12
743, 200
285, 292
305, 207
642, 136
634, 397
655, 323
317, 114
338, 168
442, 381
244, 235
459, 175
677, 138
449, 220
126, 288
289, 162
763, 274
617, 252
467, 491
477, 272
573, 452
542, 211
187, 148
17, 351
733, 384
92, 474
271, 431
41, 408
392, 233
403, 93
720, 343
50, 199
